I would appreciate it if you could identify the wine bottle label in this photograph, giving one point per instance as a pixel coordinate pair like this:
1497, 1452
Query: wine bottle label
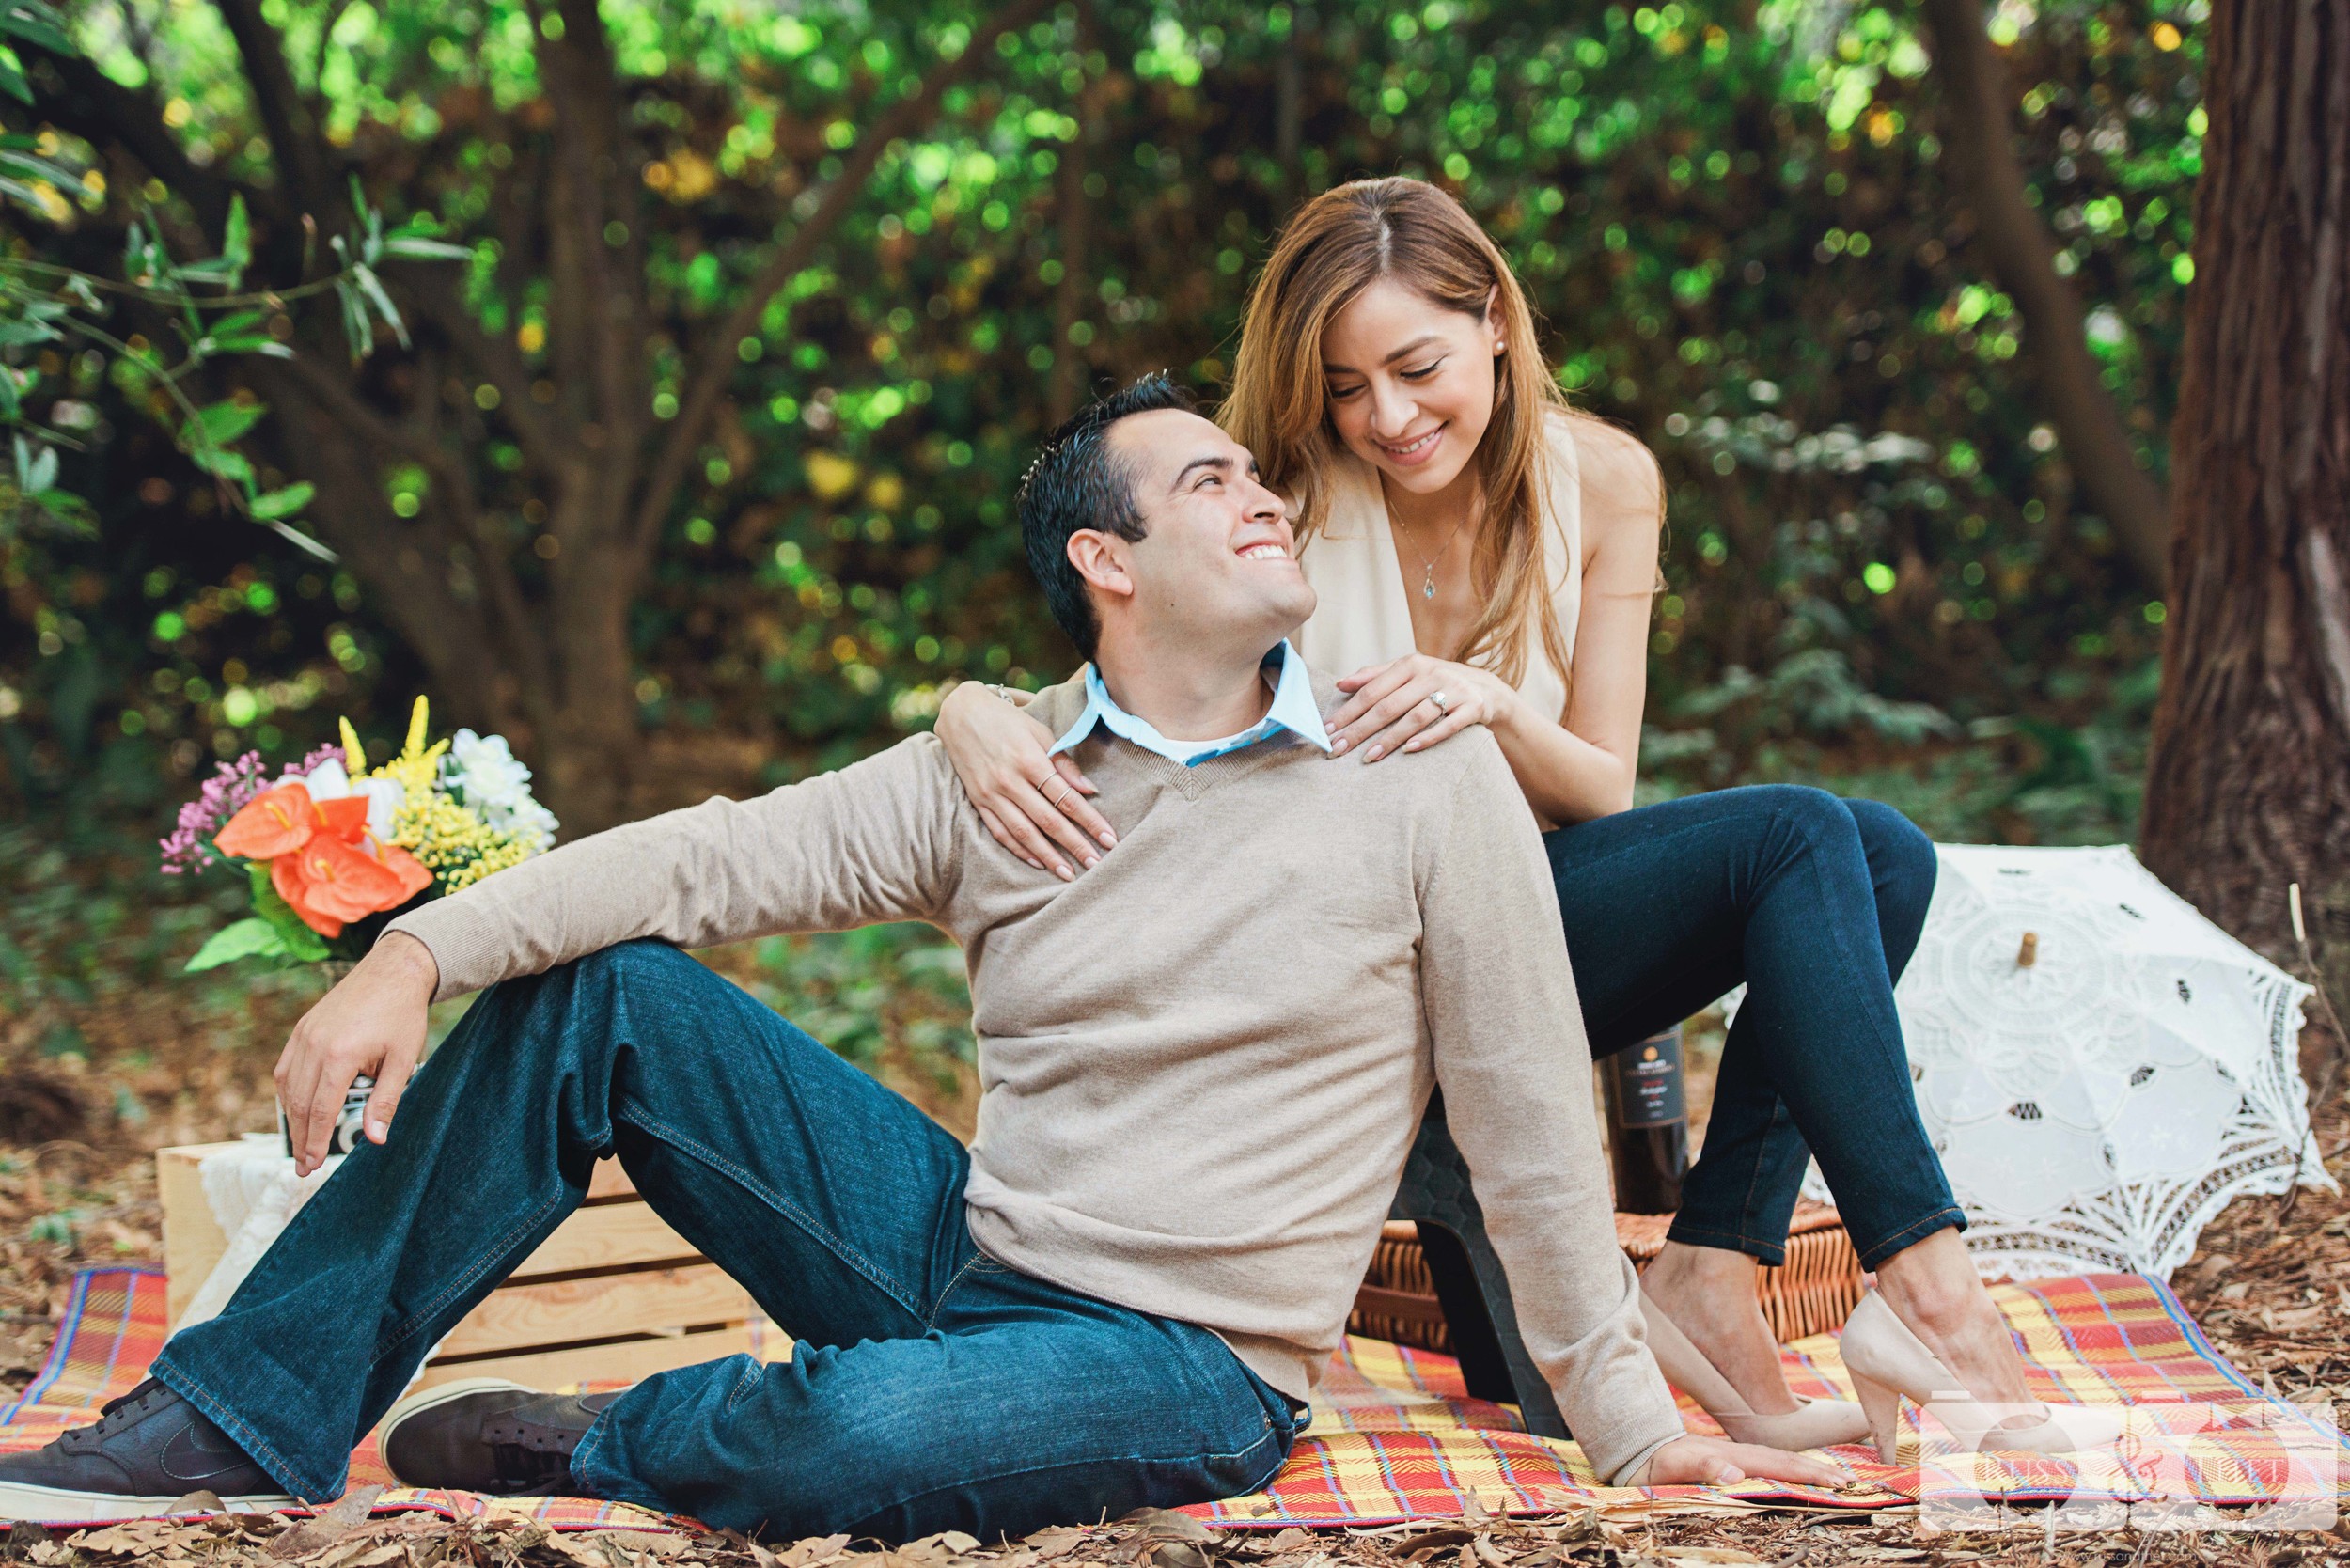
1648, 1082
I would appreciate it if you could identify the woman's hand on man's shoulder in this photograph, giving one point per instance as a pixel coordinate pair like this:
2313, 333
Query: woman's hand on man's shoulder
1412, 703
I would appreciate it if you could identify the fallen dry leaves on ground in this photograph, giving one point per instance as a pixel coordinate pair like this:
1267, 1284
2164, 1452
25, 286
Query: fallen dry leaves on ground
1151, 1539
2270, 1283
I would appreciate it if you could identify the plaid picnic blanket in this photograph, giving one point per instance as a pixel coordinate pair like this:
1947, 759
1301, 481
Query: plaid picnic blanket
1395, 1434
113, 1326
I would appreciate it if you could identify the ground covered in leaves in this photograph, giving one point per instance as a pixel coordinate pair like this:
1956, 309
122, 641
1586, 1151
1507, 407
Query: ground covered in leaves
2271, 1283
347, 1537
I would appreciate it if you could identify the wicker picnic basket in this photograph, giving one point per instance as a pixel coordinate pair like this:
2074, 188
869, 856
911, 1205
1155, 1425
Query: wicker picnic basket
1812, 1293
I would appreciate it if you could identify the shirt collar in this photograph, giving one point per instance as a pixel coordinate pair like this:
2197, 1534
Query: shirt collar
1294, 710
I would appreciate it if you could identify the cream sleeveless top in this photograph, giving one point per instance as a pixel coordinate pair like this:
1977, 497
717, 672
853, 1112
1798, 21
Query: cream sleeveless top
1364, 616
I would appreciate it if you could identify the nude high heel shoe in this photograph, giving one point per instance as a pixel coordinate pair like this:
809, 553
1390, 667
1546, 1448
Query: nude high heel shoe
1814, 1423
1888, 1362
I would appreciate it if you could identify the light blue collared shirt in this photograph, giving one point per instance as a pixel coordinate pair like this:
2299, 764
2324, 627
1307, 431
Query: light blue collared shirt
1294, 710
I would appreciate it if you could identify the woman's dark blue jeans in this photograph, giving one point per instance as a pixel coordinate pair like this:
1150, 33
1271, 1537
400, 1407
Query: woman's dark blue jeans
1815, 904
929, 1387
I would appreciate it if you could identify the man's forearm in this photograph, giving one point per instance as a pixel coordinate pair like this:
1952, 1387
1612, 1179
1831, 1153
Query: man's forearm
873, 841
399, 951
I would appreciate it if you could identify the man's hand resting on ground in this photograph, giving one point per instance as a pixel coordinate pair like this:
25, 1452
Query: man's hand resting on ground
373, 1022
1717, 1461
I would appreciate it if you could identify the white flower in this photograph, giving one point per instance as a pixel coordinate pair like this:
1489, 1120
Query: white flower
330, 781
531, 825
483, 769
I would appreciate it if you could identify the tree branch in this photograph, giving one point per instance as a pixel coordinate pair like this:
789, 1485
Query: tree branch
451, 480
75, 96
713, 362
286, 116
428, 285
461, 651
2022, 258
583, 90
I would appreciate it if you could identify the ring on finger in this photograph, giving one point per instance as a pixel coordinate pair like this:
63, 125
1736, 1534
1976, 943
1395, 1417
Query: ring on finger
1055, 801
1443, 703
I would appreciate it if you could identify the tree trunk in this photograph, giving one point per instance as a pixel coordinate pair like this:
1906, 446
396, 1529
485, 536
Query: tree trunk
2015, 245
2248, 786
593, 729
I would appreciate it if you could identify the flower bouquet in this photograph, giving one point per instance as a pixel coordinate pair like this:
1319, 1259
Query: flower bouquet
333, 849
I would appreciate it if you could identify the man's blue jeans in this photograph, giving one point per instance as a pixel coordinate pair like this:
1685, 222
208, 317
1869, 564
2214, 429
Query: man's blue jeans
930, 1388
1817, 905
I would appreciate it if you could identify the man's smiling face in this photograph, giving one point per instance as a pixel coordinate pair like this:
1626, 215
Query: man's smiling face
1218, 554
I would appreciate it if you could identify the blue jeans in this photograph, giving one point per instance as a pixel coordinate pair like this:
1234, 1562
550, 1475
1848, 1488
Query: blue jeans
1815, 903
931, 1388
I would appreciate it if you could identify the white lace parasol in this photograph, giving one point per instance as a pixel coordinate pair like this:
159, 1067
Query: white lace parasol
2101, 1068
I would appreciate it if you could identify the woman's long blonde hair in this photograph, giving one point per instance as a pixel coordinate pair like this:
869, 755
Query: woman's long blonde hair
1337, 245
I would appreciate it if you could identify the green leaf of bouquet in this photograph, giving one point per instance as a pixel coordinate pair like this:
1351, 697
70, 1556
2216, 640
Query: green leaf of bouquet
251, 937
12, 78
286, 502
302, 943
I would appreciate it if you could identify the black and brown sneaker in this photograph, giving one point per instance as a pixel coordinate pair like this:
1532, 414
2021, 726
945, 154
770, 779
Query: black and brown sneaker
486, 1434
147, 1450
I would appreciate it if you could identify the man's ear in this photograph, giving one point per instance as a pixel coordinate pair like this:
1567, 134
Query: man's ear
1100, 560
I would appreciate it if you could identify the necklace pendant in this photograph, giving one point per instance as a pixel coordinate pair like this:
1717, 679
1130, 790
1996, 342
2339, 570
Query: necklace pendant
1428, 585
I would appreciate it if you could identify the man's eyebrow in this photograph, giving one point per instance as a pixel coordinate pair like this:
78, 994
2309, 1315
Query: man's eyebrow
1404, 353
1219, 463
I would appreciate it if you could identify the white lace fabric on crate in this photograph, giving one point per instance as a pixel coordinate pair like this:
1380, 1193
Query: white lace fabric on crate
254, 1194
2099, 1093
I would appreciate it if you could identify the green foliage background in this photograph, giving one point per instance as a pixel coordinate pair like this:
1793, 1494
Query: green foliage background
1733, 215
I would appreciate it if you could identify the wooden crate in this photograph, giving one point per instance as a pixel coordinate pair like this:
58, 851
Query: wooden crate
1814, 1293
614, 1295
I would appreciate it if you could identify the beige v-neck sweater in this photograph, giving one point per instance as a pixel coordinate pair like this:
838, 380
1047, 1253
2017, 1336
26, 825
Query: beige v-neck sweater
1202, 1061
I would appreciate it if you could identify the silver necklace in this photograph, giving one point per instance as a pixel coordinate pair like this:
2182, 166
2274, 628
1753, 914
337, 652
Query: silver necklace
1428, 562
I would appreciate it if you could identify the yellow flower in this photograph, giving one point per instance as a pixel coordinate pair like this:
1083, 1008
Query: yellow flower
453, 843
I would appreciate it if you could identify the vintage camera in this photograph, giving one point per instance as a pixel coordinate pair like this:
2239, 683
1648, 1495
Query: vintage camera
348, 1133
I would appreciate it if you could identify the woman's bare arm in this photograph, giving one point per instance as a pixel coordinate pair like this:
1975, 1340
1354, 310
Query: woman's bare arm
1581, 765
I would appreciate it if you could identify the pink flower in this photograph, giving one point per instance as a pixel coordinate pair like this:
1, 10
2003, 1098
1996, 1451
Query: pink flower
232, 786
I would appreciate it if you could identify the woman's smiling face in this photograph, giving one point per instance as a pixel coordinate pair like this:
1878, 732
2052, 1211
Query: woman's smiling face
1410, 383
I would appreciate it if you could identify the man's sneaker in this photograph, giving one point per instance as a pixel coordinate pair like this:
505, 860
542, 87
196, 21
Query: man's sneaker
148, 1451
486, 1434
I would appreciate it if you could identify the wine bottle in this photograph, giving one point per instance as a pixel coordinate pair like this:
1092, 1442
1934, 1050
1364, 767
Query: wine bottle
1647, 1124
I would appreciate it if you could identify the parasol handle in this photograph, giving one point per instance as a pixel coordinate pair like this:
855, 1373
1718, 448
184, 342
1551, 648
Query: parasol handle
2028, 954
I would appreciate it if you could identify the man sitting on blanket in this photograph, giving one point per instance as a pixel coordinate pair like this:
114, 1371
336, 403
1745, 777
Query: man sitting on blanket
1203, 1060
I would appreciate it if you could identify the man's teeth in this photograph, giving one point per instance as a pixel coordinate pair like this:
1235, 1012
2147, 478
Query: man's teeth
1262, 552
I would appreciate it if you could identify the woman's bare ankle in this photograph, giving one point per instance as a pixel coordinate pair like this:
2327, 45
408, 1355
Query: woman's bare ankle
1932, 1287
1709, 1292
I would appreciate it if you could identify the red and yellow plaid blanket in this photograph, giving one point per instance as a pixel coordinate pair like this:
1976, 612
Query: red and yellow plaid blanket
1395, 1435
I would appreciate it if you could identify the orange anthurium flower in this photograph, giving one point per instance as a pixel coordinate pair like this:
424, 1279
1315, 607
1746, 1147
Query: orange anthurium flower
329, 882
414, 878
285, 874
346, 818
273, 825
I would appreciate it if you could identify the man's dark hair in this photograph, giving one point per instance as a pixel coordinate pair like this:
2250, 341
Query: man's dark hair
1075, 482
